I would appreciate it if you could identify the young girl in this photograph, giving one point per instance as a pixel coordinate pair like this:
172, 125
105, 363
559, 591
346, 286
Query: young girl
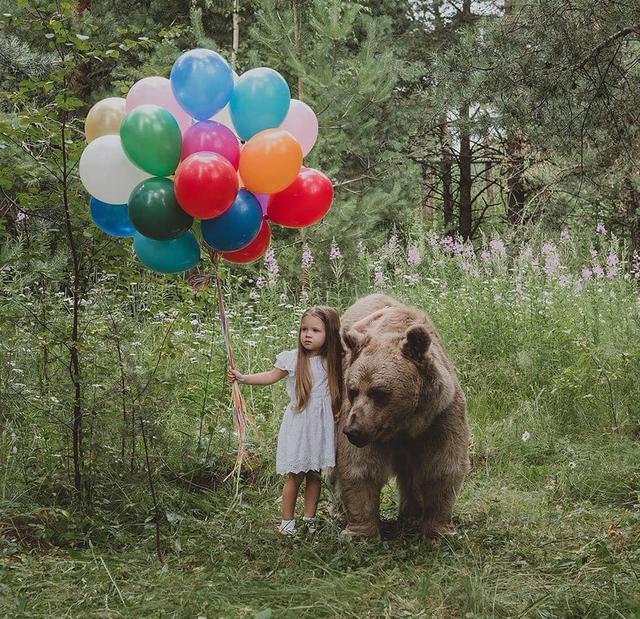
306, 441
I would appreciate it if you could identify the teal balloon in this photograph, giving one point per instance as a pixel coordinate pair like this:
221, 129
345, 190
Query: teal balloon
174, 256
112, 219
155, 212
152, 140
260, 100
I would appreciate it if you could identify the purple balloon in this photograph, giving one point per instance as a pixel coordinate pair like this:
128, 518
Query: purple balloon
263, 199
212, 137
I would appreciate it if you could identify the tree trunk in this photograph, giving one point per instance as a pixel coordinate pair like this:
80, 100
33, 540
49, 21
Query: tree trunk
296, 40
236, 34
427, 195
465, 181
631, 199
446, 162
516, 189
515, 165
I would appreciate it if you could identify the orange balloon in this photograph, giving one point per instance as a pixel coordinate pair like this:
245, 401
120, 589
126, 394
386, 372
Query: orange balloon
270, 161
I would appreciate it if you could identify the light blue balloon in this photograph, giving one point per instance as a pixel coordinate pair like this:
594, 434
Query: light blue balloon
172, 256
237, 226
202, 82
260, 100
112, 219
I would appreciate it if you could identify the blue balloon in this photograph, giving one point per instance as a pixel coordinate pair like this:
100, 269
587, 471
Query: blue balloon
237, 226
260, 100
172, 256
113, 219
202, 82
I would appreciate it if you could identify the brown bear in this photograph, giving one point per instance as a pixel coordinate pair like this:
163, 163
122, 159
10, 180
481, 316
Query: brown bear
404, 414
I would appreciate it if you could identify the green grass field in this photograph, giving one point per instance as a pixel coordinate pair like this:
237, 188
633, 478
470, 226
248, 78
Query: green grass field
548, 520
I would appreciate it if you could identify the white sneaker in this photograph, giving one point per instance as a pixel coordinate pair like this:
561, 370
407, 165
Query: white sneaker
287, 527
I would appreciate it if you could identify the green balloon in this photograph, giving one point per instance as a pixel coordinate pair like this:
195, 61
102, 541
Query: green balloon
155, 212
151, 139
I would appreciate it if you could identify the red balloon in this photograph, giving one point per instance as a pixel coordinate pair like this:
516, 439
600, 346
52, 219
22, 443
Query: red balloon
304, 202
206, 185
254, 250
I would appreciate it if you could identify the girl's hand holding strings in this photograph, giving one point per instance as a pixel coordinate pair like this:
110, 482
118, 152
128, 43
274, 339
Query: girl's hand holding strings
235, 376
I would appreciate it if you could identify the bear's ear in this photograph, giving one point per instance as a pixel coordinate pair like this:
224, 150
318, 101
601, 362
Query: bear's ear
416, 343
354, 340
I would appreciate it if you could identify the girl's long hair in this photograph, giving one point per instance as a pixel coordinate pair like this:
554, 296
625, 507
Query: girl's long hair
332, 352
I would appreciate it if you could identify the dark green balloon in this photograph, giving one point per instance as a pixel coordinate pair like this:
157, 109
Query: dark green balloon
151, 139
154, 211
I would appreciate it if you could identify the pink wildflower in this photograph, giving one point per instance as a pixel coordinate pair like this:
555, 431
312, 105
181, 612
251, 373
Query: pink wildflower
600, 229
271, 262
307, 258
413, 256
497, 247
335, 253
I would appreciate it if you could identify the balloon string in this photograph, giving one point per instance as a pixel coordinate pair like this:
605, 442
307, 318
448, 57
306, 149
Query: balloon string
241, 418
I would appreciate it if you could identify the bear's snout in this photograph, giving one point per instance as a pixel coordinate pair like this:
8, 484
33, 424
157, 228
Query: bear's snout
356, 437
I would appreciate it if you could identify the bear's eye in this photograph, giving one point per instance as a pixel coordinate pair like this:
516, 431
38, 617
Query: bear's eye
379, 396
352, 394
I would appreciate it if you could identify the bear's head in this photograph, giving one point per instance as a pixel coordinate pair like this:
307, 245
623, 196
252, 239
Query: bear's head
391, 384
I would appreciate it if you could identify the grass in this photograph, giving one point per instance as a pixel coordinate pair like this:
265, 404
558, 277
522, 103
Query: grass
548, 520
558, 538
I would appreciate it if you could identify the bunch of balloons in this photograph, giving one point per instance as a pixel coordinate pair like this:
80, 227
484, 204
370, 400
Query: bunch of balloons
204, 144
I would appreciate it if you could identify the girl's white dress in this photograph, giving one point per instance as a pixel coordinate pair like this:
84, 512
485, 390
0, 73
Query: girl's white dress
306, 441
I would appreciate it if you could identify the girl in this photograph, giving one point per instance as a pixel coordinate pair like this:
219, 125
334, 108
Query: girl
306, 441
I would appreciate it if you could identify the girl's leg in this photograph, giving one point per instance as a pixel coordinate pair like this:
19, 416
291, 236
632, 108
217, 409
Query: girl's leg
311, 493
290, 494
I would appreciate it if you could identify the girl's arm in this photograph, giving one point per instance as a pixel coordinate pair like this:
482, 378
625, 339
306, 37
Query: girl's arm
262, 378
363, 322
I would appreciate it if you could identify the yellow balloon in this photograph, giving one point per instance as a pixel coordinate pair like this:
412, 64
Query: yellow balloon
104, 118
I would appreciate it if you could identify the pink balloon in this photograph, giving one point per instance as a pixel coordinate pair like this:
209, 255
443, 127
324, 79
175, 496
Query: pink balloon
263, 199
212, 137
301, 122
157, 90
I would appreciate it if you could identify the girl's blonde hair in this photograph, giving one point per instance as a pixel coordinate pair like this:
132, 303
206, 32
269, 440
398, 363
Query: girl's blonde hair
331, 350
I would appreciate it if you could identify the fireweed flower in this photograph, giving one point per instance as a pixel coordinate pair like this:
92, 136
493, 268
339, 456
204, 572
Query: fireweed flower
600, 229
334, 253
271, 263
551, 259
586, 273
563, 280
635, 265
612, 264
393, 242
485, 256
378, 277
307, 258
497, 247
413, 256
597, 271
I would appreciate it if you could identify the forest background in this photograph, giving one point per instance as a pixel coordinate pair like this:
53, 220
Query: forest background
484, 157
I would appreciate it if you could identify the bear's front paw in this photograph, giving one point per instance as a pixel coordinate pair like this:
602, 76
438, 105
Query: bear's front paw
353, 533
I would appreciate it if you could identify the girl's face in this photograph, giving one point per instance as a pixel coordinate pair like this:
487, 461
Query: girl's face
312, 334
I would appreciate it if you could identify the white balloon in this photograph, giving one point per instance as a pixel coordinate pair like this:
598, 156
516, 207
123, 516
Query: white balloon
106, 172
302, 123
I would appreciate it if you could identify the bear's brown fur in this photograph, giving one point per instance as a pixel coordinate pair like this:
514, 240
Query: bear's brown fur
404, 414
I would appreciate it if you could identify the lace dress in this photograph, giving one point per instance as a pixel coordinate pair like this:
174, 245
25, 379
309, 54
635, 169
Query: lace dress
306, 441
